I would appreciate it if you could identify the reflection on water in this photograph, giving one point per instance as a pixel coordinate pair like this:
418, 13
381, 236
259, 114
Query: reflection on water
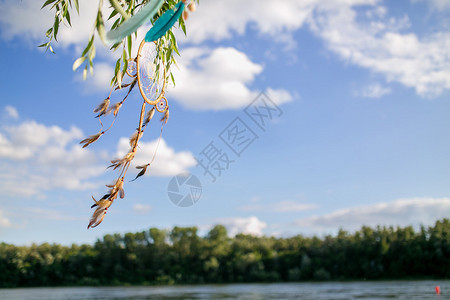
314, 291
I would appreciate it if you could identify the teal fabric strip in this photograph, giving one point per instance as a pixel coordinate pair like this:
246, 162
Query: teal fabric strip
164, 23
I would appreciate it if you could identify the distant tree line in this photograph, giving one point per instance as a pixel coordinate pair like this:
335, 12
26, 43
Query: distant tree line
181, 256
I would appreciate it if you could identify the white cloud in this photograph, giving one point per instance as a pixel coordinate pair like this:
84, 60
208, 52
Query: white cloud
11, 112
142, 208
270, 18
283, 206
366, 37
28, 137
440, 5
251, 225
378, 45
218, 79
279, 96
233, 17
24, 19
374, 91
402, 212
4, 222
167, 162
35, 158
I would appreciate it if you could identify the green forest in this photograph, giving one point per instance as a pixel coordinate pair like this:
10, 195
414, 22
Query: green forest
181, 256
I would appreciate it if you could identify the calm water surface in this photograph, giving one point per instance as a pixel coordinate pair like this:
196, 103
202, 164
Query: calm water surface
316, 291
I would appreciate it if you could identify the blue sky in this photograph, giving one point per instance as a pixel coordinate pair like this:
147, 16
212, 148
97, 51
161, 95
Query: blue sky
363, 138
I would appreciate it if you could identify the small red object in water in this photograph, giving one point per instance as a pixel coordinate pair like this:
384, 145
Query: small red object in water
438, 289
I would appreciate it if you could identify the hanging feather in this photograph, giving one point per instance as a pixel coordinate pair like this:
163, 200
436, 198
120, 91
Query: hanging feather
91, 139
103, 203
149, 116
164, 23
97, 217
142, 172
102, 108
135, 137
132, 24
165, 118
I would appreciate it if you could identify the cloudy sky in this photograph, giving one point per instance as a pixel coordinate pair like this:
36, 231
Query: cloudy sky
352, 128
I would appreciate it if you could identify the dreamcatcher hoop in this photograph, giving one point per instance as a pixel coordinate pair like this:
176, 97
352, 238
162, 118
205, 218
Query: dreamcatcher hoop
132, 67
162, 105
142, 87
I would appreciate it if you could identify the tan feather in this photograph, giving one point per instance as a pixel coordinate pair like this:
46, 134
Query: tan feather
115, 108
135, 137
103, 108
97, 217
103, 203
165, 118
116, 189
149, 116
91, 139
116, 163
142, 172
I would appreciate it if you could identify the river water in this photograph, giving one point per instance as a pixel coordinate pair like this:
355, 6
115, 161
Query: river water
315, 291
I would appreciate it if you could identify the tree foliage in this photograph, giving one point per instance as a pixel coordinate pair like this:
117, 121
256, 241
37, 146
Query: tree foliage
181, 256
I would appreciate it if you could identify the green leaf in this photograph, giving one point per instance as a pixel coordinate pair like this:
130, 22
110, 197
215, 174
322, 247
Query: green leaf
56, 26
182, 25
125, 66
89, 45
173, 79
92, 53
115, 24
78, 62
100, 26
174, 42
115, 46
56, 5
47, 3
124, 56
49, 32
44, 44
130, 43
168, 54
101, 31
67, 15
65, 9
113, 13
119, 79
85, 73
116, 69
77, 6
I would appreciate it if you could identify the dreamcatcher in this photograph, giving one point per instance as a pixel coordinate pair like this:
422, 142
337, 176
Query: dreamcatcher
149, 71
